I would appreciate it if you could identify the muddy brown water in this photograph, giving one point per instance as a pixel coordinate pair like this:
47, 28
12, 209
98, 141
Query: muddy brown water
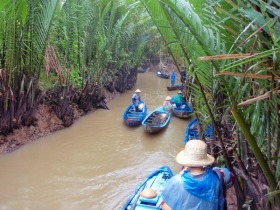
96, 163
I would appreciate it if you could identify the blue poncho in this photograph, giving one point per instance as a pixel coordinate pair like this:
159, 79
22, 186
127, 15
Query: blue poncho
201, 187
173, 78
194, 192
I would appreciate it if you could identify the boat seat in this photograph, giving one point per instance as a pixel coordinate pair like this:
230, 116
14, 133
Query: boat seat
157, 121
150, 201
193, 135
133, 116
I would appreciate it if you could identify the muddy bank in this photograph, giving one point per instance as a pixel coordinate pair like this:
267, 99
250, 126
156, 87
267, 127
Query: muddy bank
46, 123
57, 109
63, 107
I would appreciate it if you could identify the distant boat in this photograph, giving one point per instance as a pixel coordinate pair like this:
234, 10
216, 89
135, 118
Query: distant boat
141, 70
163, 75
193, 133
182, 111
174, 87
133, 118
155, 181
156, 121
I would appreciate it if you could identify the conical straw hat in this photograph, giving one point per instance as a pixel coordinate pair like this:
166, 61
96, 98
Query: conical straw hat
167, 98
148, 193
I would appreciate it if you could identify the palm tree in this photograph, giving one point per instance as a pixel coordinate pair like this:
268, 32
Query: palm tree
24, 32
209, 32
230, 49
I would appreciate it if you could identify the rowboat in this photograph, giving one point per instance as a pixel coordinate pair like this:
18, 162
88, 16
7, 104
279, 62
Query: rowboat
163, 75
141, 70
132, 117
183, 111
155, 181
156, 121
193, 133
174, 87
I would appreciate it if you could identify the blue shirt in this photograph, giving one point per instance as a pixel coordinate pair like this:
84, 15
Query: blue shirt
135, 97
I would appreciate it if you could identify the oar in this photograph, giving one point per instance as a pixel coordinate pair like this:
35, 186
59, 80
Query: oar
136, 199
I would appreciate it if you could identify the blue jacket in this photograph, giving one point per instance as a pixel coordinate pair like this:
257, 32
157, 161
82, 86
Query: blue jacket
194, 192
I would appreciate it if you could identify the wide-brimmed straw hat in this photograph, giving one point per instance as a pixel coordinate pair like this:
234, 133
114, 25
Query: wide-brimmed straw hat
167, 98
137, 91
179, 91
195, 154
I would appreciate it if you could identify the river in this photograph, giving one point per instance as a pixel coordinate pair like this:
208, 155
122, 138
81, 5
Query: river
94, 164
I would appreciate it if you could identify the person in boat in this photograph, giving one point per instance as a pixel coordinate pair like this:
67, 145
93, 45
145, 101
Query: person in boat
172, 78
136, 99
197, 186
166, 104
183, 75
178, 98
164, 71
141, 106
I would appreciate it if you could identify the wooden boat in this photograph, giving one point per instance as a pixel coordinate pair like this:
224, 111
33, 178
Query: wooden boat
163, 75
141, 70
157, 181
175, 87
182, 111
156, 121
133, 118
193, 133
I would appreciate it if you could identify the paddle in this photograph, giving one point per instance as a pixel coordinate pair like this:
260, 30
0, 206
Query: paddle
136, 199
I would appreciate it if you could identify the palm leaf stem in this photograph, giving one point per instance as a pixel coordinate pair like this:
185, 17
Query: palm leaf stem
79, 46
249, 75
269, 141
240, 195
224, 57
255, 149
177, 34
51, 7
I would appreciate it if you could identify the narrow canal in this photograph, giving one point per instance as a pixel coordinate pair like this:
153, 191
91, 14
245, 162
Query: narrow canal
96, 163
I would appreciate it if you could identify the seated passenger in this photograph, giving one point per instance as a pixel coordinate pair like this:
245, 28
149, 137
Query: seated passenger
141, 106
178, 98
166, 104
136, 98
198, 186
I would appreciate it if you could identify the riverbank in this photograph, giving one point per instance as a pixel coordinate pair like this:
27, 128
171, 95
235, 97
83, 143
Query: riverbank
46, 123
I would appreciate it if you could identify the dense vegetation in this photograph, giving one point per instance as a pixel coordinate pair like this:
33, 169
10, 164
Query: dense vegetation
230, 50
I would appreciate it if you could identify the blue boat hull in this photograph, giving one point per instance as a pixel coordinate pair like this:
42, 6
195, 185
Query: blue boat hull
156, 121
184, 111
132, 118
175, 87
141, 70
193, 133
162, 75
157, 181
